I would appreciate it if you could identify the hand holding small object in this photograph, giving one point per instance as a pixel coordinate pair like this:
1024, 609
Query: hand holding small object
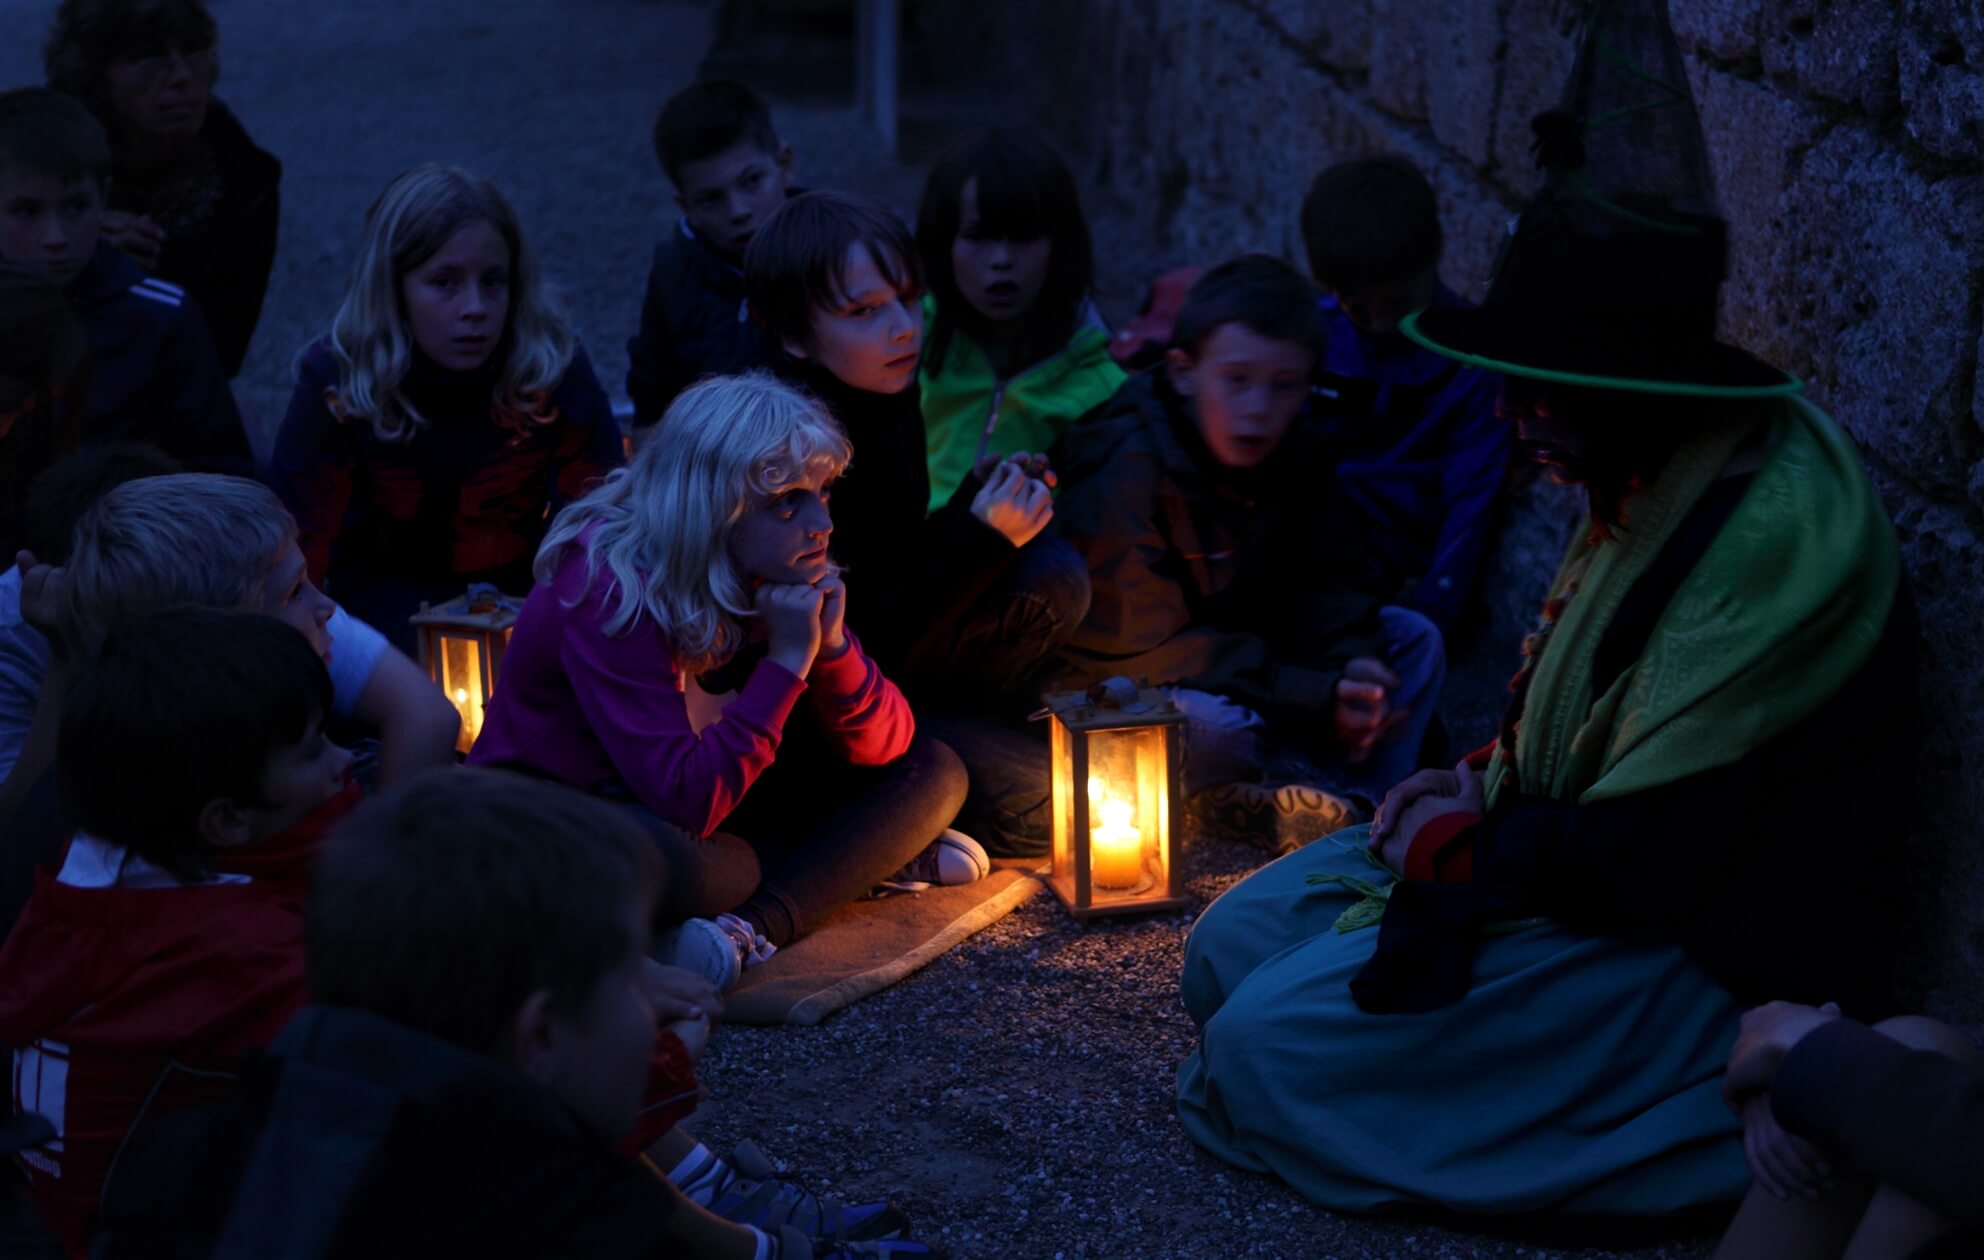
134, 235
1013, 503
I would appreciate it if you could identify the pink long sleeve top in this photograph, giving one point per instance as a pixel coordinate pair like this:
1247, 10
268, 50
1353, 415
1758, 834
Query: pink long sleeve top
590, 709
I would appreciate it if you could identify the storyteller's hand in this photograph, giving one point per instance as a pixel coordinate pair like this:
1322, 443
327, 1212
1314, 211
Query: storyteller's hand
1430, 782
1765, 1036
1402, 825
1014, 504
134, 235
833, 616
791, 613
1783, 1163
1037, 467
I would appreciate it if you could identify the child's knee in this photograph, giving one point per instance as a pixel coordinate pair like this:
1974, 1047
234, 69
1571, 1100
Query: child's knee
1919, 1032
1053, 572
937, 770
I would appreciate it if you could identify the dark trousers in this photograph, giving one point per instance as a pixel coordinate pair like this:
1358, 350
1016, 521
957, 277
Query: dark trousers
974, 679
811, 835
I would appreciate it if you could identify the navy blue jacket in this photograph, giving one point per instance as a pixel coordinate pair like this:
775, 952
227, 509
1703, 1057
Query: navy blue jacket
154, 376
1422, 461
694, 323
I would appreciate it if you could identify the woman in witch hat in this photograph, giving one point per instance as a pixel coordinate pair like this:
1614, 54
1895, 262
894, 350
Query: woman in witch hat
1517, 989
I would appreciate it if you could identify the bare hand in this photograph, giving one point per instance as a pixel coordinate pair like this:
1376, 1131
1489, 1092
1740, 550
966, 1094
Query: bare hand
1782, 1162
1364, 714
833, 615
676, 993
43, 591
1415, 785
1766, 1035
1014, 504
791, 615
134, 235
1403, 826
694, 1034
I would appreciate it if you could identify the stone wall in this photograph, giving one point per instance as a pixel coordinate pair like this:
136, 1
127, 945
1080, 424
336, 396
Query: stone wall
1845, 137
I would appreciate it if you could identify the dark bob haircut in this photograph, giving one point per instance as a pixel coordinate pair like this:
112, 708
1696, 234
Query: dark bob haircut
1024, 193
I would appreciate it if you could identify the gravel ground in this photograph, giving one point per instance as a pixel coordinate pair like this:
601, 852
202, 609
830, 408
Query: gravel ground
1015, 1095
1014, 1098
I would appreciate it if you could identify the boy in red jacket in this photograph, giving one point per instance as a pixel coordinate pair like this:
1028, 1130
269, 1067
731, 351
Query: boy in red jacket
193, 761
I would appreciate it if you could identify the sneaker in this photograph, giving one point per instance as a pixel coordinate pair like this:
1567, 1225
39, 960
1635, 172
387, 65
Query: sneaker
952, 858
717, 949
1280, 818
759, 1195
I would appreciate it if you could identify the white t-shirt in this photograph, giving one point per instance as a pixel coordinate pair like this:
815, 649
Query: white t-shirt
355, 652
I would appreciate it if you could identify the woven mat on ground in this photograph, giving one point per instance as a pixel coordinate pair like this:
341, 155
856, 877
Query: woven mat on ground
865, 947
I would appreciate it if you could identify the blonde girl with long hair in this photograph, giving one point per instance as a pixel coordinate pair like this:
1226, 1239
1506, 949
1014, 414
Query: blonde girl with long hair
449, 413
687, 651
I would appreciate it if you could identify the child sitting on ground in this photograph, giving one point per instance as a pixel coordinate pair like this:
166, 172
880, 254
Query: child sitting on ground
1194, 499
194, 764
1422, 454
154, 376
482, 1048
716, 144
685, 610
220, 542
447, 417
1017, 351
966, 604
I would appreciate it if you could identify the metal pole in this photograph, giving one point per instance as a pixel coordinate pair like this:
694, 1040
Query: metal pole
878, 24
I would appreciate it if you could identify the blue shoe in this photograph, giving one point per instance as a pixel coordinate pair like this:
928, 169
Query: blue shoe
761, 1196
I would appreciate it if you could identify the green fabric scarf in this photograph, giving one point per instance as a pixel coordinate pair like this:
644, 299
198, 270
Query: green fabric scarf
1785, 606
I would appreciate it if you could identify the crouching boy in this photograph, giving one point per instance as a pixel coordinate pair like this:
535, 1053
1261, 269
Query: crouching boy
192, 757
1193, 499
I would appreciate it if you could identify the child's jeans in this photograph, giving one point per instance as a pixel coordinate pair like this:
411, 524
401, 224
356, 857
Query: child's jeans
1226, 742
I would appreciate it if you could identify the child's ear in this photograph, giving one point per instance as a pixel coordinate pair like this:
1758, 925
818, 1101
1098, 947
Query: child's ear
794, 348
1178, 365
224, 825
533, 1040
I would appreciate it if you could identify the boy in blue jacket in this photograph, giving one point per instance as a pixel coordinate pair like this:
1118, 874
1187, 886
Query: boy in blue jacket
155, 376
1422, 456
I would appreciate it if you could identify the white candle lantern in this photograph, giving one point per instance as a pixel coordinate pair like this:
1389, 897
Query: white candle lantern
1115, 752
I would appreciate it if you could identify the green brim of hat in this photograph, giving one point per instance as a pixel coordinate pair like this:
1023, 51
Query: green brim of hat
1482, 338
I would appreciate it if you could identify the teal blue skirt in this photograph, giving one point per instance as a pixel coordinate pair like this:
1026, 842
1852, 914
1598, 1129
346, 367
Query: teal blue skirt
1580, 1073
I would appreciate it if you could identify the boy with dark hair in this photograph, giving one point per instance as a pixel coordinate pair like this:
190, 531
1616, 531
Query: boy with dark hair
965, 603
1421, 456
716, 143
193, 761
1195, 500
482, 1046
155, 376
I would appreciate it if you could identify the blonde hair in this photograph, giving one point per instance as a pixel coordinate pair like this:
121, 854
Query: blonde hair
183, 538
412, 219
659, 529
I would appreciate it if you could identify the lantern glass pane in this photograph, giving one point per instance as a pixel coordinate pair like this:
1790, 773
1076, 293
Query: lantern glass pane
460, 677
1063, 798
1128, 812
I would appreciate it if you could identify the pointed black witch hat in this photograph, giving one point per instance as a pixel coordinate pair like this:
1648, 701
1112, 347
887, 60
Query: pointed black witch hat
1609, 277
